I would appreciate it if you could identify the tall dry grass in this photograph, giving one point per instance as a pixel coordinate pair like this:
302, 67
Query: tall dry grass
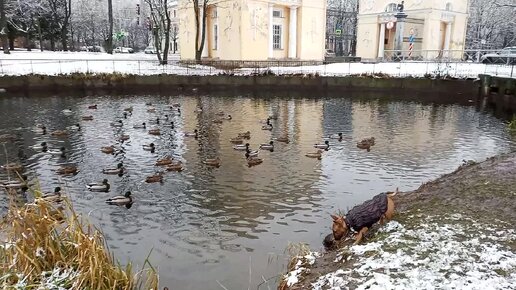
50, 246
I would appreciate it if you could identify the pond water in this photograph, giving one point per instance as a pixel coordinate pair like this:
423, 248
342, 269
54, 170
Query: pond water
231, 225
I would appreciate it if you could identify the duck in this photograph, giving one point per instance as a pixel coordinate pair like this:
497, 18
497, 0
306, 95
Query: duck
92, 107
52, 197
103, 186
57, 152
253, 161
236, 140
151, 110
154, 178
317, 154
114, 171
140, 126
150, 147
12, 167
212, 162
124, 137
246, 135
117, 124
125, 114
194, 134
15, 184
267, 127
67, 111
217, 121
326, 145
269, 146
178, 112
155, 132
228, 117
283, 139
125, 199
40, 130
166, 117
198, 110
250, 153
175, 166
154, 121
364, 145
176, 105
128, 109
68, 170
241, 147
171, 125
108, 149
40, 147
59, 133
148, 104
338, 136
220, 113
76, 127
87, 118
164, 161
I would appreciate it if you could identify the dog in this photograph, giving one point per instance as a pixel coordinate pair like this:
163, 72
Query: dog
363, 216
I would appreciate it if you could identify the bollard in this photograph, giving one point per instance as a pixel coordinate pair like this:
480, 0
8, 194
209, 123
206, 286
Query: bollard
139, 68
1, 67
31, 67
87, 67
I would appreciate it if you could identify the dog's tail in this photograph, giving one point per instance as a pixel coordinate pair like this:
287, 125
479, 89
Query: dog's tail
391, 194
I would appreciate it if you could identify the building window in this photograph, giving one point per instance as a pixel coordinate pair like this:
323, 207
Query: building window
277, 14
175, 13
448, 6
214, 13
215, 37
276, 36
392, 7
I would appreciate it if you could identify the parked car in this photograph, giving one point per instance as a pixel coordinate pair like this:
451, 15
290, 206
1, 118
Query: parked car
506, 56
150, 50
123, 50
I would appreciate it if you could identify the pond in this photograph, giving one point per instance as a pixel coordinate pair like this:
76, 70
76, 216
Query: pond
231, 225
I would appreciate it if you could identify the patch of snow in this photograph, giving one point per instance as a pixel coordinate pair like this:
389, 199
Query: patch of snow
293, 276
332, 281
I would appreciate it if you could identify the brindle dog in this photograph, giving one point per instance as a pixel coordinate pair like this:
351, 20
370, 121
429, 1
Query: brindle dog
363, 216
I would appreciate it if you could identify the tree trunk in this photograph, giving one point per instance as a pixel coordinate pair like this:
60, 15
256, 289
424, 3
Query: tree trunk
157, 45
40, 35
52, 43
64, 36
3, 27
109, 44
167, 35
198, 51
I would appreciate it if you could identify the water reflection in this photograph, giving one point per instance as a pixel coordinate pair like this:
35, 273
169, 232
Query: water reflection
210, 224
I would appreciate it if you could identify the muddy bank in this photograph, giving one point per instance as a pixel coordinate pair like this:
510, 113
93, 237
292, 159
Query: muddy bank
457, 230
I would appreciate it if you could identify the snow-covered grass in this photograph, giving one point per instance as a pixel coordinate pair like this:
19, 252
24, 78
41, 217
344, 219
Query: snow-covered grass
454, 252
53, 63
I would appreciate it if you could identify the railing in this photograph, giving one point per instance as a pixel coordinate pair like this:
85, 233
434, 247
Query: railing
403, 68
483, 56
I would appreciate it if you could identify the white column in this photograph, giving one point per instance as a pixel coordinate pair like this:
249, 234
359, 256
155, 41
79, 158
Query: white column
271, 32
205, 48
447, 37
292, 33
381, 41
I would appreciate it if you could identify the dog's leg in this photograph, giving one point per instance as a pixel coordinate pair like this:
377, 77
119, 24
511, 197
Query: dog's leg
360, 236
390, 209
382, 220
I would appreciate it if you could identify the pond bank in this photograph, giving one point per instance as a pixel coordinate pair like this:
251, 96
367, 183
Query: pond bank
119, 83
457, 230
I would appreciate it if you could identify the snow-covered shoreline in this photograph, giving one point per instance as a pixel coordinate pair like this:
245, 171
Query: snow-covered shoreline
54, 63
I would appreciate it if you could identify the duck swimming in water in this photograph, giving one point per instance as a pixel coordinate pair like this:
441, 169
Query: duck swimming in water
40, 147
119, 170
194, 134
150, 147
326, 145
215, 162
14, 184
171, 125
267, 146
76, 127
140, 126
317, 154
68, 170
117, 124
104, 186
241, 147
59, 133
52, 197
87, 118
154, 178
125, 199
267, 127
61, 152
155, 132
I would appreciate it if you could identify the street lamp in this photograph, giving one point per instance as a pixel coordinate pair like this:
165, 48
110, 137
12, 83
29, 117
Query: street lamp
400, 25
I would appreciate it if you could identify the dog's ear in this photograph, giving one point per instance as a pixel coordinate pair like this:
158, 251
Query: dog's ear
397, 190
335, 218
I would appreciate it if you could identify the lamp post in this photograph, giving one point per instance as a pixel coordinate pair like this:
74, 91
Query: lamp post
400, 25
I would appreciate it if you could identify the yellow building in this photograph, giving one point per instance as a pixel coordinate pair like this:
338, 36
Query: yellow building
437, 28
256, 29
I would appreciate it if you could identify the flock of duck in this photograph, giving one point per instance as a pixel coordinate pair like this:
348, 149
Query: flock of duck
252, 157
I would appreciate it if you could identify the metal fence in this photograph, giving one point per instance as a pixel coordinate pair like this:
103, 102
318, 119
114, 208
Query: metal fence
470, 55
149, 67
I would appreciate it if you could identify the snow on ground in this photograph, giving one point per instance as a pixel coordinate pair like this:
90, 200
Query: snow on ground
53, 63
445, 252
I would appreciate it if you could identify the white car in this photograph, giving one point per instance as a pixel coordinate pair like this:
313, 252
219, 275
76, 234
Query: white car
150, 50
123, 50
505, 56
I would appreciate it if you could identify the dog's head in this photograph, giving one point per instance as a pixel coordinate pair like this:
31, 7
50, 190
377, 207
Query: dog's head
340, 228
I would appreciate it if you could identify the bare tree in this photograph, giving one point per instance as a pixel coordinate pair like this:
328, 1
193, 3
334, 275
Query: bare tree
161, 23
3, 26
491, 25
109, 44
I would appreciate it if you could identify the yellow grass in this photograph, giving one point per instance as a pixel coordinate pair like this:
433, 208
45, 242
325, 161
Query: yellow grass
40, 239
